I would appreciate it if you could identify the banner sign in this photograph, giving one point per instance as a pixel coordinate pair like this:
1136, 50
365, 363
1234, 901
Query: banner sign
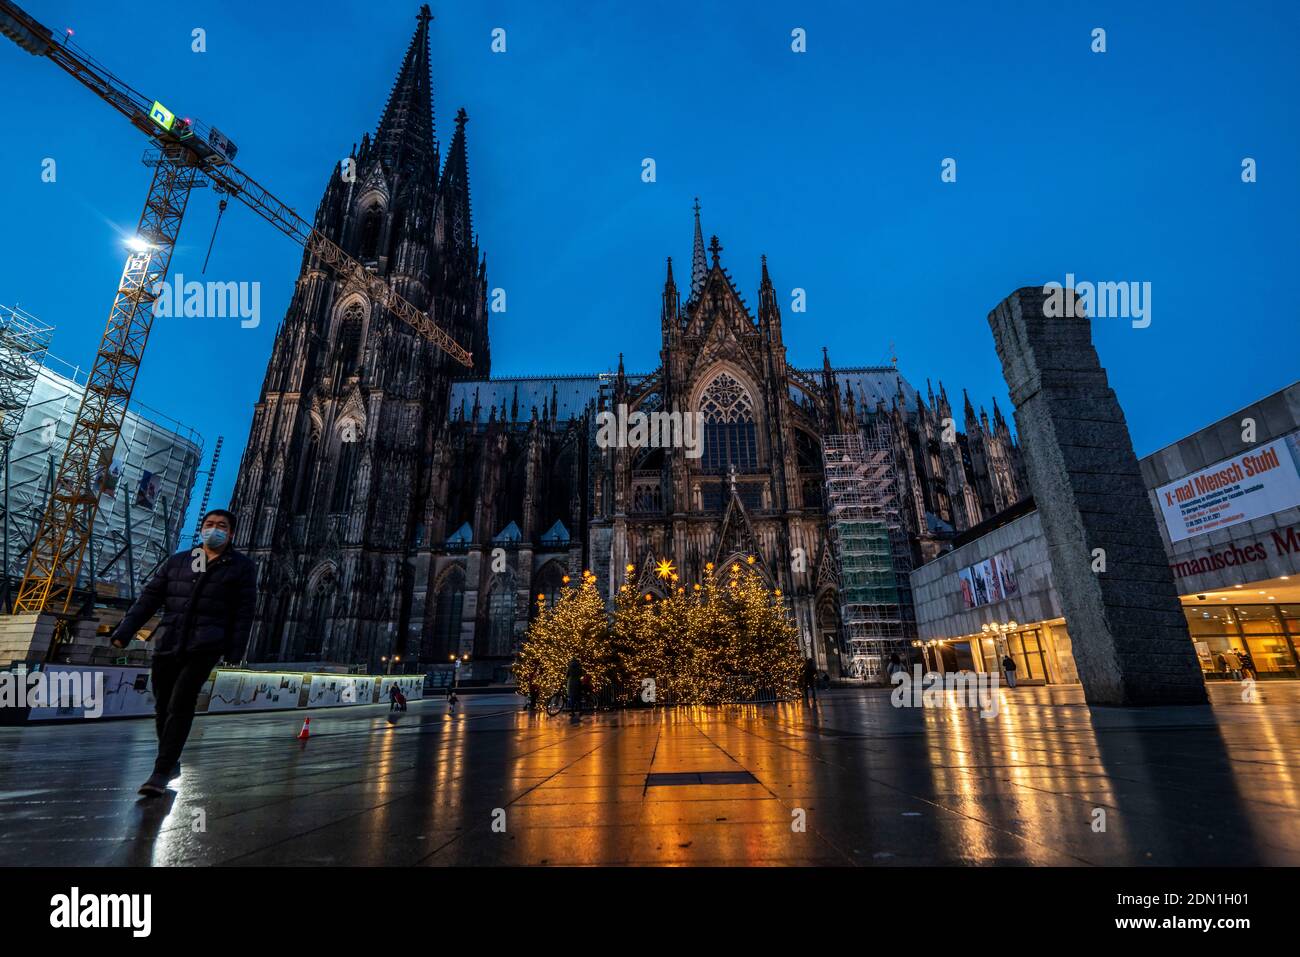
1247, 486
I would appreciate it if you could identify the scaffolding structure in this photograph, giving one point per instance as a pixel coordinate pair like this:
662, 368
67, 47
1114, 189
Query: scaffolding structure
872, 552
23, 344
147, 489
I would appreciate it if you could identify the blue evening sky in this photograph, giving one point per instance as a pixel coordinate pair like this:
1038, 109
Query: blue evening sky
1117, 166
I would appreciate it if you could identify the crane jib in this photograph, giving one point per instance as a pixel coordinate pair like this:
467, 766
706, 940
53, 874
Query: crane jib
189, 155
211, 151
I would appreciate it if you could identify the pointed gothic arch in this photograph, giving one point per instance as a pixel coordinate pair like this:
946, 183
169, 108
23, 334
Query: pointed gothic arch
501, 615
321, 598
448, 612
547, 583
723, 568
351, 322
827, 628
727, 401
370, 228
273, 640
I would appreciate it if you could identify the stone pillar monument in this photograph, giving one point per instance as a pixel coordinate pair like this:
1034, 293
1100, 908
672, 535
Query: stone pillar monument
1131, 643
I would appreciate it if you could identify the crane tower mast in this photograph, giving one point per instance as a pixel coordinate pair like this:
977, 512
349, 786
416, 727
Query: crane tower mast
188, 155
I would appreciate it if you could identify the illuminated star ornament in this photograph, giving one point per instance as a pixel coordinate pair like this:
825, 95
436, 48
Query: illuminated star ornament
665, 569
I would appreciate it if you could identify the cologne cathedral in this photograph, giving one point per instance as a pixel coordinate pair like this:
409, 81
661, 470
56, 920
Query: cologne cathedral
395, 507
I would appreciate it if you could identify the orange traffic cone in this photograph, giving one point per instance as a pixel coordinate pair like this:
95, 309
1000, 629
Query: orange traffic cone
305, 733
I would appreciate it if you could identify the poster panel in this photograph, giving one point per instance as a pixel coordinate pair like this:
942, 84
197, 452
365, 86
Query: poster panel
126, 692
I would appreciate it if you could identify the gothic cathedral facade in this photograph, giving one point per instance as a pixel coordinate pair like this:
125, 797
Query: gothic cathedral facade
396, 506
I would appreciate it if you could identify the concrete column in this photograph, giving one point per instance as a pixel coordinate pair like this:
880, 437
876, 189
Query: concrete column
1129, 636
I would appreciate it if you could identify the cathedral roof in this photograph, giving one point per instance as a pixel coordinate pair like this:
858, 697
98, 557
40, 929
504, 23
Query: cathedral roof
556, 534
869, 384
514, 397
572, 395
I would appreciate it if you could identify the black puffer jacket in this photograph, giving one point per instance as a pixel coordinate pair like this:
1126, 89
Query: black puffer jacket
208, 611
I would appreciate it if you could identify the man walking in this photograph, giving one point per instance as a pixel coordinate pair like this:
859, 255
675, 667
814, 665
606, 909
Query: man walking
207, 597
809, 680
573, 679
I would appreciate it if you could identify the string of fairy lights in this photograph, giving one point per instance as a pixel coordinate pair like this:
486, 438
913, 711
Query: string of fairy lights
724, 638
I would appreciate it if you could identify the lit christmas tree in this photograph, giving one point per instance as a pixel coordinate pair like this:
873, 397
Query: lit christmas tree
711, 642
576, 627
639, 642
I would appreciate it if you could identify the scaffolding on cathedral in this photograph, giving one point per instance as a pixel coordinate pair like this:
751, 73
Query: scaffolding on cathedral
864, 519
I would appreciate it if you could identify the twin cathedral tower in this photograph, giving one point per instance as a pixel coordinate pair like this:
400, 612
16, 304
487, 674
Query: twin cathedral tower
395, 506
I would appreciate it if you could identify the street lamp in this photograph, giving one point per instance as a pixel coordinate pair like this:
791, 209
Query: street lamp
455, 671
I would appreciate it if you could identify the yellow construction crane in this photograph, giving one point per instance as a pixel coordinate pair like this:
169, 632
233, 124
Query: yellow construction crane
187, 155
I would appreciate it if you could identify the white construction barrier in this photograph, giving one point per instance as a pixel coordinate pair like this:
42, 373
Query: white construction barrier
86, 692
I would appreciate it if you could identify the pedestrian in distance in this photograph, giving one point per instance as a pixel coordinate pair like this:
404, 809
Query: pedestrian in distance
895, 665
809, 681
1248, 666
394, 698
207, 596
1009, 666
573, 679
1233, 662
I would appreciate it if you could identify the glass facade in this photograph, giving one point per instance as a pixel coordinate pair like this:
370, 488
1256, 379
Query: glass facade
1267, 634
144, 496
1027, 649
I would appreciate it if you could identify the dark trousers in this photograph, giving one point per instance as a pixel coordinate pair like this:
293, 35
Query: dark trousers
177, 679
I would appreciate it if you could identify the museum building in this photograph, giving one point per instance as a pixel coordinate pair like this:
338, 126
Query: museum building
1227, 502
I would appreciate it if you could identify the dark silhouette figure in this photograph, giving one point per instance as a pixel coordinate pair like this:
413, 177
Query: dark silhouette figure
809, 681
574, 681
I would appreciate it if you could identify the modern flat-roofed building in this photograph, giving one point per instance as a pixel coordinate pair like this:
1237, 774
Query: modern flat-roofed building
1227, 503
147, 487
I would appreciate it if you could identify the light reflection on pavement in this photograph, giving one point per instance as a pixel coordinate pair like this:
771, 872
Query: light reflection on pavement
849, 781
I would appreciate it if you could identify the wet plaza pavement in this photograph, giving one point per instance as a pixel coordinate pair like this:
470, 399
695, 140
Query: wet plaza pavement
849, 781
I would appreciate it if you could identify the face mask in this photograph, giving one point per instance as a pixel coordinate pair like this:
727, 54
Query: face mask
214, 538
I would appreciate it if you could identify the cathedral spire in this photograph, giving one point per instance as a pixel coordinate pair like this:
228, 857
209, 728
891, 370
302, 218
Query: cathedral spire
453, 192
699, 269
769, 313
405, 131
